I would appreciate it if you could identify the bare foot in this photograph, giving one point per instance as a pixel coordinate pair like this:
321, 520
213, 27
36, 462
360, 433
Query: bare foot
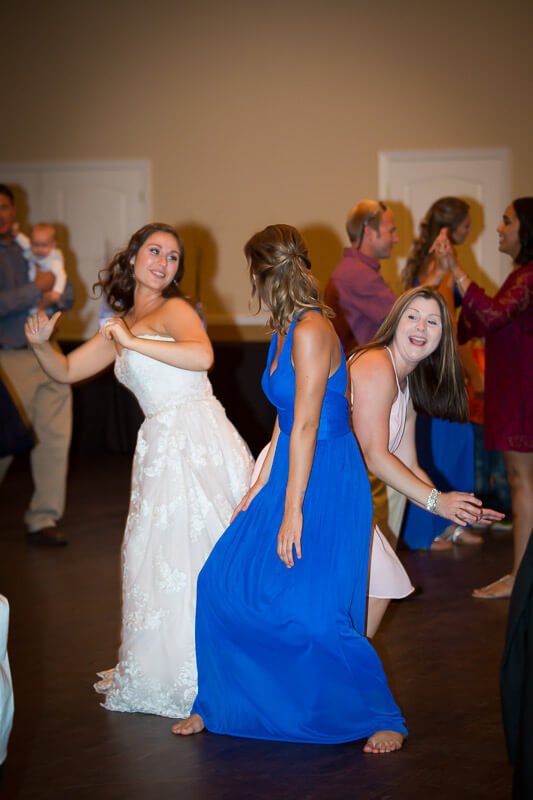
384, 742
193, 724
440, 544
496, 590
462, 536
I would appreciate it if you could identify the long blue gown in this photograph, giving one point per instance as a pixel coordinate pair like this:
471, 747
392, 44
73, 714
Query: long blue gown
281, 652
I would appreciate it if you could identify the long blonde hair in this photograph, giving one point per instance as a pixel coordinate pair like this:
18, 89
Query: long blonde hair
279, 266
436, 385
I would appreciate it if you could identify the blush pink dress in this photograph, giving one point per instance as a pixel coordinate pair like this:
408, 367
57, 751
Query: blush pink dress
387, 577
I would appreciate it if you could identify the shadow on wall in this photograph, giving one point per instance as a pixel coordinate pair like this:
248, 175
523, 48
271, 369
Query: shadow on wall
201, 267
325, 250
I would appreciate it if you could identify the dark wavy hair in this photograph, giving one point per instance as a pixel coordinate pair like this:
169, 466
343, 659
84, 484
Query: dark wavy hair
5, 190
523, 207
447, 212
437, 384
279, 266
117, 281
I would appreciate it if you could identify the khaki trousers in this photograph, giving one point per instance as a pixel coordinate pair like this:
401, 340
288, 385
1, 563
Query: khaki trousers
48, 407
389, 507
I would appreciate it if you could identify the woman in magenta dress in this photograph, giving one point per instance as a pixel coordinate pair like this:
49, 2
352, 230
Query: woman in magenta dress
506, 322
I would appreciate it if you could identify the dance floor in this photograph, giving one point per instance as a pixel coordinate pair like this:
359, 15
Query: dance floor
441, 651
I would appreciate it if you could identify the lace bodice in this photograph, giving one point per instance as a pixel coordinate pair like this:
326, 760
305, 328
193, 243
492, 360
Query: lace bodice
158, 386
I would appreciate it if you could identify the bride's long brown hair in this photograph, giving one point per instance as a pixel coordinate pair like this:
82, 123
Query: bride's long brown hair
117, 281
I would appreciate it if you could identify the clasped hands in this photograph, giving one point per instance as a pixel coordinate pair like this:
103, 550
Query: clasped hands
116, 329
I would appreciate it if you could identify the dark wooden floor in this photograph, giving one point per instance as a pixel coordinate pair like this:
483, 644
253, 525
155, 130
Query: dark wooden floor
441, 651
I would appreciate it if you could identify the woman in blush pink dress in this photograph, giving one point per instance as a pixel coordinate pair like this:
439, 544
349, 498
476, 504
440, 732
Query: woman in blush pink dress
411, 365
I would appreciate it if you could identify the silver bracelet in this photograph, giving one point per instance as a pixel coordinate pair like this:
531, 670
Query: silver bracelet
433, 498
460, 280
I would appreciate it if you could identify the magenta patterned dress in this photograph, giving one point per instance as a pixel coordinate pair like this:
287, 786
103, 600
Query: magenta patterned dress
506, 322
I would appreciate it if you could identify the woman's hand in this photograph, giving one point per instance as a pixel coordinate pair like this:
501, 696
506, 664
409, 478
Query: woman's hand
116, 329
289, 536
459, 507
247, 499
39, 327
443, 251
488, 515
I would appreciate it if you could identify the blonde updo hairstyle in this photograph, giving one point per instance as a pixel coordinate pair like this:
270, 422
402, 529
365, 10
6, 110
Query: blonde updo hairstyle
279, 266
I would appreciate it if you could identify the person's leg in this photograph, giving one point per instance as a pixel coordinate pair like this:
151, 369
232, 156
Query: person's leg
52, 422
374, 614
18, 371
500, 485
4, 466
519, 468
482, 462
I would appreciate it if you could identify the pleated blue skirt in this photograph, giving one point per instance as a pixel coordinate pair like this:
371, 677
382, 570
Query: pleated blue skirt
281, 652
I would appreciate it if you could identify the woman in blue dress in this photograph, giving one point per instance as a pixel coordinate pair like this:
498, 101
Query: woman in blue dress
280, 619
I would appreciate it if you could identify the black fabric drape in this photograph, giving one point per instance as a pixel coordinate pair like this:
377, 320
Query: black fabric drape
517, 679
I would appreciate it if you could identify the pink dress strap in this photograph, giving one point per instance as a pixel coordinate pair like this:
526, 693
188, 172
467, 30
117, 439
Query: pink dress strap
398, 411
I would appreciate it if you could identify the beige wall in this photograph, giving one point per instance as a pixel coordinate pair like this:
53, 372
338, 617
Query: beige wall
254, 112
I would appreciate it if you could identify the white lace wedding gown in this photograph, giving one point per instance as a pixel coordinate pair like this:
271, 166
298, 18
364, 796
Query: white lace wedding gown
191, 468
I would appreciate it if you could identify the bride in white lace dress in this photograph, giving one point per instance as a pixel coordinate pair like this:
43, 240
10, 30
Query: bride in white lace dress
191, 467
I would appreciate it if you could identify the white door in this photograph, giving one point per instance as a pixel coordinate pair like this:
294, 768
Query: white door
412, 180
95, 206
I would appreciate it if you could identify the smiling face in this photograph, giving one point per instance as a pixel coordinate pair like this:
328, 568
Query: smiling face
419, 330
157, 260
508, 233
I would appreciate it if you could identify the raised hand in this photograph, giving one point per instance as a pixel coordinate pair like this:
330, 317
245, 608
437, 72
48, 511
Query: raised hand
39, 327
443, 250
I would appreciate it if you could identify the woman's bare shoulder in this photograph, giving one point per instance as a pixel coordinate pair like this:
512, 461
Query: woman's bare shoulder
373, 367
370, 360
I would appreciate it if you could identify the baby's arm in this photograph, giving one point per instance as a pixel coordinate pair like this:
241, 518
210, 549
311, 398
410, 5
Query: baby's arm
24, 243
56, 265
